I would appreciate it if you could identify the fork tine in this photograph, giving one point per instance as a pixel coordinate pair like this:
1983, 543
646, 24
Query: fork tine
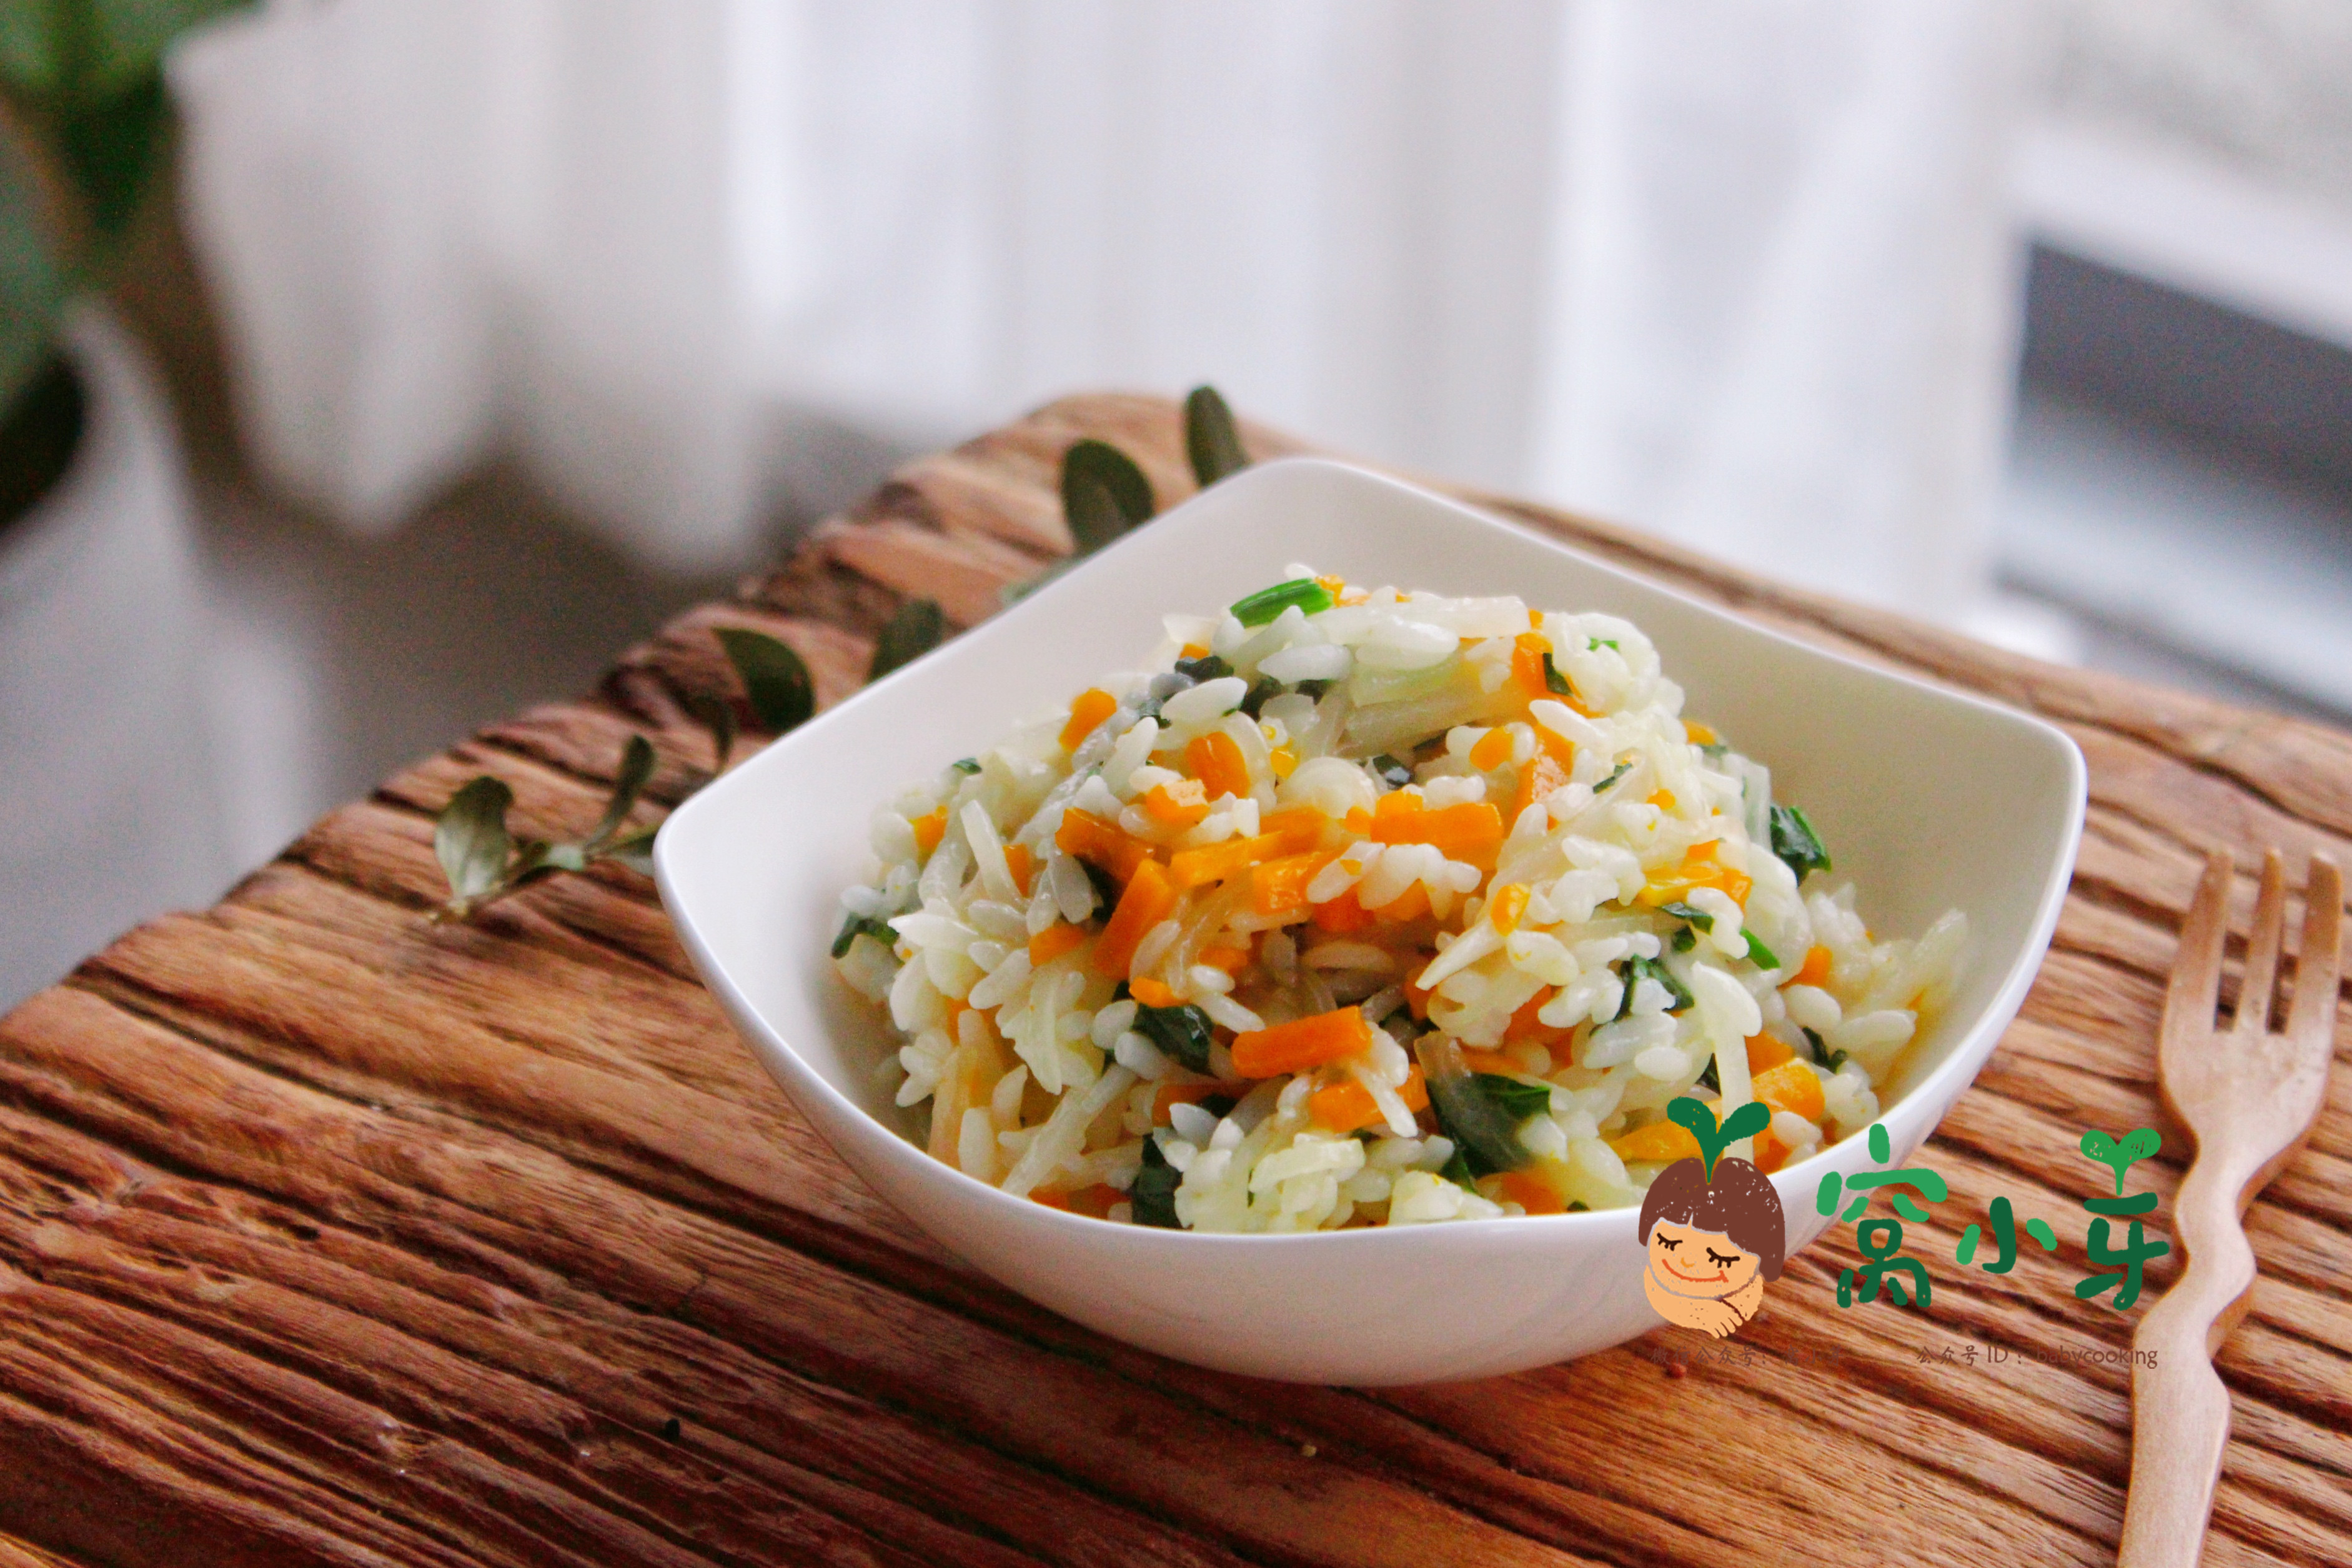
2262, 948
2318, 967
2196, 984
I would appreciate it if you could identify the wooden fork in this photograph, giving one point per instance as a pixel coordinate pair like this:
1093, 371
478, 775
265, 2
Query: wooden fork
2250, 1094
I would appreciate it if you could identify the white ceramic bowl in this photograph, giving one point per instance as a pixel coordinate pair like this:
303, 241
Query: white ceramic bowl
1929, 798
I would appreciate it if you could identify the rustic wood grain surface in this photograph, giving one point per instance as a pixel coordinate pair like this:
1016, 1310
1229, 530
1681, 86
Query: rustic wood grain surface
328, 1236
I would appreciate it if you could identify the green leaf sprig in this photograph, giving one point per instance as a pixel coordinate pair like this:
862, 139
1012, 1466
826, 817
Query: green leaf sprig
484, 863
1104, 495
1698, 1118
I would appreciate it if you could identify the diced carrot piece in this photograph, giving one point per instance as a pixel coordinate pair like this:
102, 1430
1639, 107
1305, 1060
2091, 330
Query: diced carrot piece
1190, 868
1087, 711
1343, 1107
1663, 800
1358, 820
1170, 1094
1530, 1192
1301, 1043
1395, 803
1470, 832
1215, 759
1279, 887
1525, 1024
1151, 994
1284, 761
1148, 899
1770, 1152
1406, 906
1508, 906
930, 828
1492, 750
1050, 1198
1698, 734
1021, 864
1053, 941
1766, 1051
1700, 869
1103, 844
1347, 1105
1791, 1086
1182, 804
1815, 970
1296, 830
1544, 774
1527, 652
1229, 959
1659, 1142
1096, 1200
1335, 586
1341, 915
1416, 998
1481, 1060
1194, 650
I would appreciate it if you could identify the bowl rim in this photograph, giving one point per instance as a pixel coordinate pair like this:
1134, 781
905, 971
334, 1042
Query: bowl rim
1948, 1079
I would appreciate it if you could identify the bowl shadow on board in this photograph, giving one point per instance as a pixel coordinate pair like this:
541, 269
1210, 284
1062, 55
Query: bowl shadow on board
1929, 799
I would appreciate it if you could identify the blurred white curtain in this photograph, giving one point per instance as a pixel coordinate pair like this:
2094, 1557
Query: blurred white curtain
1737, 271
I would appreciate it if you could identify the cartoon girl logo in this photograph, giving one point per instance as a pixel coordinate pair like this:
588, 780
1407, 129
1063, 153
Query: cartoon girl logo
1712, 1226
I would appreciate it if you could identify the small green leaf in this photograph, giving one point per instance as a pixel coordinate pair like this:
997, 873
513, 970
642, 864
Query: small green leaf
635, 851
1210, 439
109, 148
716, 715
1554, 681
1514, 1098
1637, 970
1762, 957
470, 838
32, 290
1104, 494
1183, 1034
636, 768
774, 678
913, 629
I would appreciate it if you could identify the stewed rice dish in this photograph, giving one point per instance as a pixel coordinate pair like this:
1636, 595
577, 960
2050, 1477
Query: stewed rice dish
1365, 907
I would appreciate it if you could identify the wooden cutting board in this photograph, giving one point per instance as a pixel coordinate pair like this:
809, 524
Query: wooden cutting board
330, 1236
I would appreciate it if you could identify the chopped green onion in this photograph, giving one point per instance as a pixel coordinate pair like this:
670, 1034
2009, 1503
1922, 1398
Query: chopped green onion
1180, 1033
1265, 689
1311, 597
1714, 750
1208, 667
1313, 688
1712, 1077
1795, 842
1622, 769
1554, 681
967, 765
1683, 941
1604, 642
1821, 1053
1153, 1193
1698, 918
856, 926
1761, 956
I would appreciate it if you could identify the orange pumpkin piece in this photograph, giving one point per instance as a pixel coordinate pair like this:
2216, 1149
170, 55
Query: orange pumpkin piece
1053, 941
1100, 843
1815, 970
1182, 803
1147, 901
1087, 711
1767, 1051
1151, 994
1530, 1192
1215, 759
1347, 1105
930, 828
1279, 887
1021, 864
1791, 1086
1470, 832
1302, 1043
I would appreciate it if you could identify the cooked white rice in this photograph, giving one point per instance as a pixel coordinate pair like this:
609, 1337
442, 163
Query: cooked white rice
1551, 901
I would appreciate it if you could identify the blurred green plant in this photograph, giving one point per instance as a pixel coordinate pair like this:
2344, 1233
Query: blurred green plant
83, 125
1104, 495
